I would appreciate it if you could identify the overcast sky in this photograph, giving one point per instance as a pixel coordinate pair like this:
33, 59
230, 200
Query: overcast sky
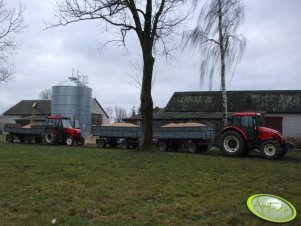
272, 59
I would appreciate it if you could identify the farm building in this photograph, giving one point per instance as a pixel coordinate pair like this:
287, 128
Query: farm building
22, 112
282, 108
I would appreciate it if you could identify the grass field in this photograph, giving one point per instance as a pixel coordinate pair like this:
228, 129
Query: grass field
89, 186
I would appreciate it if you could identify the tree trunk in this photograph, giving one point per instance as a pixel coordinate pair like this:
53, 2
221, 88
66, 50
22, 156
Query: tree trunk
147, 102
224, 94
223, 66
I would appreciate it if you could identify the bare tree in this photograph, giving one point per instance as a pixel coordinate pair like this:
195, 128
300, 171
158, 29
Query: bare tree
109, 111
216, 39
120, 114
11, 23
45, 94
153, 21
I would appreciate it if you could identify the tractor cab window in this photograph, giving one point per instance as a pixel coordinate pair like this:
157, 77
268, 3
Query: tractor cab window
54, 123
248, 124
67, 123
247, 121
236, 121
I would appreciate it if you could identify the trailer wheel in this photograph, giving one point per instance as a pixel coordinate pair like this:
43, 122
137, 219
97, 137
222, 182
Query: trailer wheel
9, 138
27, 139
232, 143
101, 143
125, 144
80, 141
69, 141
270, 149
113, 143
192, 147
162, 146
50, 136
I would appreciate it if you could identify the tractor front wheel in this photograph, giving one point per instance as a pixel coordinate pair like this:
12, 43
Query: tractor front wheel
270, 149
232, 143
69, 141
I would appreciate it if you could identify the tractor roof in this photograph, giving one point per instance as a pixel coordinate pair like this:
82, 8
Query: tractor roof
57, 117
247, 114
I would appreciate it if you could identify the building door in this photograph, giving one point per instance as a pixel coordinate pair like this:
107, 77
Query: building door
274, 123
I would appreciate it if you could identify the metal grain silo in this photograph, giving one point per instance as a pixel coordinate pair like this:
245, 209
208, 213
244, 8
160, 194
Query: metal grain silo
73, 102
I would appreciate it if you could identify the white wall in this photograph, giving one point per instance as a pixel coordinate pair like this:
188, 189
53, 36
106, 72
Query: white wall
95, 109
291, 124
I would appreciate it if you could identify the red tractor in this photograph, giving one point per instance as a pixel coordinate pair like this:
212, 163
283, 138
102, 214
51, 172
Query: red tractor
59, 130
246, 133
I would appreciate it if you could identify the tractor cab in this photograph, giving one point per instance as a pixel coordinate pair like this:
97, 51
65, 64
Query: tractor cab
249, 122
64, 124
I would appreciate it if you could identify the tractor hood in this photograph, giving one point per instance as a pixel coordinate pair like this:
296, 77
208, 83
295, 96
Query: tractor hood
72, 132
268, 130
273, 132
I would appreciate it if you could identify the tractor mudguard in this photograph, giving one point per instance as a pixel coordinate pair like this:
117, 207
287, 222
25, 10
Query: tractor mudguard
238, 129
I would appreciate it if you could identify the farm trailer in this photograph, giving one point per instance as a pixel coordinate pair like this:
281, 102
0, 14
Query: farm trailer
166, 138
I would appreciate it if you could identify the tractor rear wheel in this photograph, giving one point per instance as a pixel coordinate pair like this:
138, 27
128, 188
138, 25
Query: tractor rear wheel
50, 136
232, 143
270, 149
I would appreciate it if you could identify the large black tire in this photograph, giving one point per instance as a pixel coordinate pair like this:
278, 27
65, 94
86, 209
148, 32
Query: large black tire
162, 146
50, 137
270, 149
232, 143
69, 141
